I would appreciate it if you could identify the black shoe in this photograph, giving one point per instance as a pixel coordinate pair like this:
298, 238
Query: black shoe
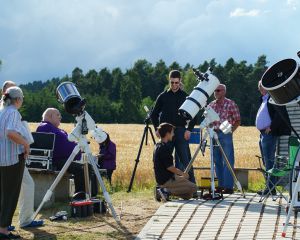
9, 236
219, 189
163, 197
266, 191
161, 194
195, 195
13, 236
228, 191
157, 196
262, 192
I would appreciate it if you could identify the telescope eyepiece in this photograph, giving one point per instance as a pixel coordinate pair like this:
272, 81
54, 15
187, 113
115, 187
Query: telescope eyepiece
298, 54
198, 74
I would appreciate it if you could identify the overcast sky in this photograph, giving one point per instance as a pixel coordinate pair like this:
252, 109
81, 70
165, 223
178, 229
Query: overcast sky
49, 38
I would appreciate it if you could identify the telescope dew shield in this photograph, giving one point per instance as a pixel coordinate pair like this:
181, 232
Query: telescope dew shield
198, 98
282, 81
67, 94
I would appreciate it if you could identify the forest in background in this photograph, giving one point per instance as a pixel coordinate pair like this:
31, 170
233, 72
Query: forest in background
116, 96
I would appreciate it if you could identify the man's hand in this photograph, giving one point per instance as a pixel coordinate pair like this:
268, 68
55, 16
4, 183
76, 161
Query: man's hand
187, 135
157, 134
27, 150
186, 175
268, 130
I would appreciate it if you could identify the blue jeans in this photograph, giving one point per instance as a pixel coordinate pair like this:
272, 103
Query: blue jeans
182, 151
224, 176
268, 150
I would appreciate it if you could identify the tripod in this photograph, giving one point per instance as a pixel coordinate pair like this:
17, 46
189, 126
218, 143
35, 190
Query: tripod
144, 137
84, 123
213, 138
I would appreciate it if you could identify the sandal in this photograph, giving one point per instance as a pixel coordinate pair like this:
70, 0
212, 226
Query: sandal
11, 228
38, 223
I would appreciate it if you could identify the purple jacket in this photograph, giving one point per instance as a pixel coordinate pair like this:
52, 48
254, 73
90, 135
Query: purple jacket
109, 159
62, 147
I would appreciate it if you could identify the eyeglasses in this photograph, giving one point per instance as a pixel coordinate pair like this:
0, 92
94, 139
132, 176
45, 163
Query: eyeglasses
174, 83
218, 90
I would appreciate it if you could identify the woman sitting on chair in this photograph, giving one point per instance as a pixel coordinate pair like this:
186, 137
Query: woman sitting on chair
107, 157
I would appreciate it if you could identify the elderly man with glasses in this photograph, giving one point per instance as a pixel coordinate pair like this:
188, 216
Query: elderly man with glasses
166, 111
227, 110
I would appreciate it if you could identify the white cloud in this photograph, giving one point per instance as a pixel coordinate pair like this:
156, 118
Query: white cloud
293, 4
241, 12
44, 39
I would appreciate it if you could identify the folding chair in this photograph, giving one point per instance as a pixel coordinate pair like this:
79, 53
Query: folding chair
41, 151
282, 168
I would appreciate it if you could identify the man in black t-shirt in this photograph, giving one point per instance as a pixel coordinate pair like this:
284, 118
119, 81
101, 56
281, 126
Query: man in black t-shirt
166, 174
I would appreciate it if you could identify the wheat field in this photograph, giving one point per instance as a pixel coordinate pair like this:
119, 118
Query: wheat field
128, 136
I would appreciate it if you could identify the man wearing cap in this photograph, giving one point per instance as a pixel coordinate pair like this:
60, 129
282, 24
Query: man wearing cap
166, 111
227, 110
26, 201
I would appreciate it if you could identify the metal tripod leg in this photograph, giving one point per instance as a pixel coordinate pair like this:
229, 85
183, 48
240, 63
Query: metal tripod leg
86, 176
139, 154
199, 147
212, 166
105, 193
56, 181
152, 135
236, 181
291, 207
189, 166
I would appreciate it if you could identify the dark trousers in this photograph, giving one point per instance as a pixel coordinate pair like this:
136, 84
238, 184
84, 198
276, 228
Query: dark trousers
77, 170
267, 145
182, 152
10, 186
109, 173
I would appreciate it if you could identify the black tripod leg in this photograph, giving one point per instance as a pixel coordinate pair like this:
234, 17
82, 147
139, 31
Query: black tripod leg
146, 143
137, 160
152, 135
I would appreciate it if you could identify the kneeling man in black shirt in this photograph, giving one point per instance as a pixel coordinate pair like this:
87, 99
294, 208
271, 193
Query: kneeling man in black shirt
166, 174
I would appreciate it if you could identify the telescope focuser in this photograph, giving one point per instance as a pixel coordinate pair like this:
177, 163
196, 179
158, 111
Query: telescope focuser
200, 76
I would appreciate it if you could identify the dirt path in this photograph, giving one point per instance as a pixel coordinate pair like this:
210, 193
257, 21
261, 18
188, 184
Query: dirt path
137, 209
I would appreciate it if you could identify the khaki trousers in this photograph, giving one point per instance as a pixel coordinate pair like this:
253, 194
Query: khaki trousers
180, 187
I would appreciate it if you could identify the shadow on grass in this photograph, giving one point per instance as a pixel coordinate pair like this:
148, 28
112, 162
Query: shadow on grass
39, 233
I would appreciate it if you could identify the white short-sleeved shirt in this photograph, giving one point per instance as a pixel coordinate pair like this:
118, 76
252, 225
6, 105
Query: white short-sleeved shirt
10, 120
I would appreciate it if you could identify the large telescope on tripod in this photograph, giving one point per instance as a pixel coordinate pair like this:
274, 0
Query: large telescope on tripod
190, 108
74, 104
282, 81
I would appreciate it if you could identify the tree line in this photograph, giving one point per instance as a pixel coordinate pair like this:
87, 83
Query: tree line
116, 96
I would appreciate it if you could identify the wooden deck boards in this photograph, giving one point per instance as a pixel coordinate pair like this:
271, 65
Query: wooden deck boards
234, 217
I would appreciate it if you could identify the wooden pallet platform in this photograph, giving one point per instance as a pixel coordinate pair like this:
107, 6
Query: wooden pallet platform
234, 217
